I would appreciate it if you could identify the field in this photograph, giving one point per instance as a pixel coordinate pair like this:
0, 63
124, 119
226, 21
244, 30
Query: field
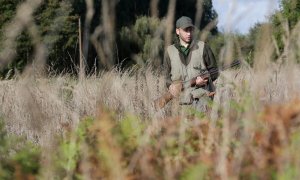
104, 125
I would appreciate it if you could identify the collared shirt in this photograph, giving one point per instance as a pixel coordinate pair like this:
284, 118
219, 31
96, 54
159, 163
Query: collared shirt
184, 50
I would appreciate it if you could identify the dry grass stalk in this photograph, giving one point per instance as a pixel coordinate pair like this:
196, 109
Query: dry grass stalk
21, 21
246, 133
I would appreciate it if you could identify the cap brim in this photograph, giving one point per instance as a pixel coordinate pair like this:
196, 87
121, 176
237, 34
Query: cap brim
186, 26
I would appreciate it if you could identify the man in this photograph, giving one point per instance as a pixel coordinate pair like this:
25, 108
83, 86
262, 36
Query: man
184, 61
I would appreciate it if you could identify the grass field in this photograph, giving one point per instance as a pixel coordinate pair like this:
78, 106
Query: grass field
105, 126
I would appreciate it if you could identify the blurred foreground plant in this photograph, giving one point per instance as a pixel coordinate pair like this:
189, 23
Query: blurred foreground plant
19, 159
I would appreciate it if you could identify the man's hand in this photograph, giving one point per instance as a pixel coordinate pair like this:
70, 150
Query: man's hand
200, 81
175, 89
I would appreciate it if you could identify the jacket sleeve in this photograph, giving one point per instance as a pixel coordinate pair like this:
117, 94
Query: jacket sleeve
167, 69
210, 62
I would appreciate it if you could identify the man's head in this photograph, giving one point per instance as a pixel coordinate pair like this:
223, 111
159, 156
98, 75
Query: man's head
184, 29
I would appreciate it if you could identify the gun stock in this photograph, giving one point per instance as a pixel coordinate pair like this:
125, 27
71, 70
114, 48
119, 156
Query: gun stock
160, 102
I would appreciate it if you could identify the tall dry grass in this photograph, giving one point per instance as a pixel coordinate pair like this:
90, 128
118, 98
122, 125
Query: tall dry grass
45, 108
252, 130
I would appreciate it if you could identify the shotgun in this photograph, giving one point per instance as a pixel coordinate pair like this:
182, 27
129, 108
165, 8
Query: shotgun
160, 102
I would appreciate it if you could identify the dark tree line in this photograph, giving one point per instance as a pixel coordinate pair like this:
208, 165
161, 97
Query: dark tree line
57, 22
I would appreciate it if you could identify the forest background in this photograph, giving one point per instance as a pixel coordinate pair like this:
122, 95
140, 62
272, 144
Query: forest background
136, 26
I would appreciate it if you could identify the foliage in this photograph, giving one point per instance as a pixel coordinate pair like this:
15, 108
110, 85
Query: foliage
244, 132
18, 158
284, 21
128, 11
57, 23
249, 42
69, 152
140, 42
58, 27
24, 45
198, 171
291, 11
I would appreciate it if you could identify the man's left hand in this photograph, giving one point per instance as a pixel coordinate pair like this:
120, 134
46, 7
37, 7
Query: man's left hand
200, 81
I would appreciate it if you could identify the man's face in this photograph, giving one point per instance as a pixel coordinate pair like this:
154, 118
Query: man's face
186, 34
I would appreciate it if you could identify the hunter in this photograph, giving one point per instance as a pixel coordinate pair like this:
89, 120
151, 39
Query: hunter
186, 60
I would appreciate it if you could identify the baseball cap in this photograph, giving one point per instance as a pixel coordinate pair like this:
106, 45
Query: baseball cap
184, 22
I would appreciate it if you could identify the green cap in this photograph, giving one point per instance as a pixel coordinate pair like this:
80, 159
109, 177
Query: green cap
184, 22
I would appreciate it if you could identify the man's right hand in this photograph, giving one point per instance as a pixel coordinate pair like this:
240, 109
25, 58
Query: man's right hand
175, 88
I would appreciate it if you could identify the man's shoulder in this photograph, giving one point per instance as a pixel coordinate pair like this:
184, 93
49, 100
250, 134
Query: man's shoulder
197, 43
200, 42
171, 47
